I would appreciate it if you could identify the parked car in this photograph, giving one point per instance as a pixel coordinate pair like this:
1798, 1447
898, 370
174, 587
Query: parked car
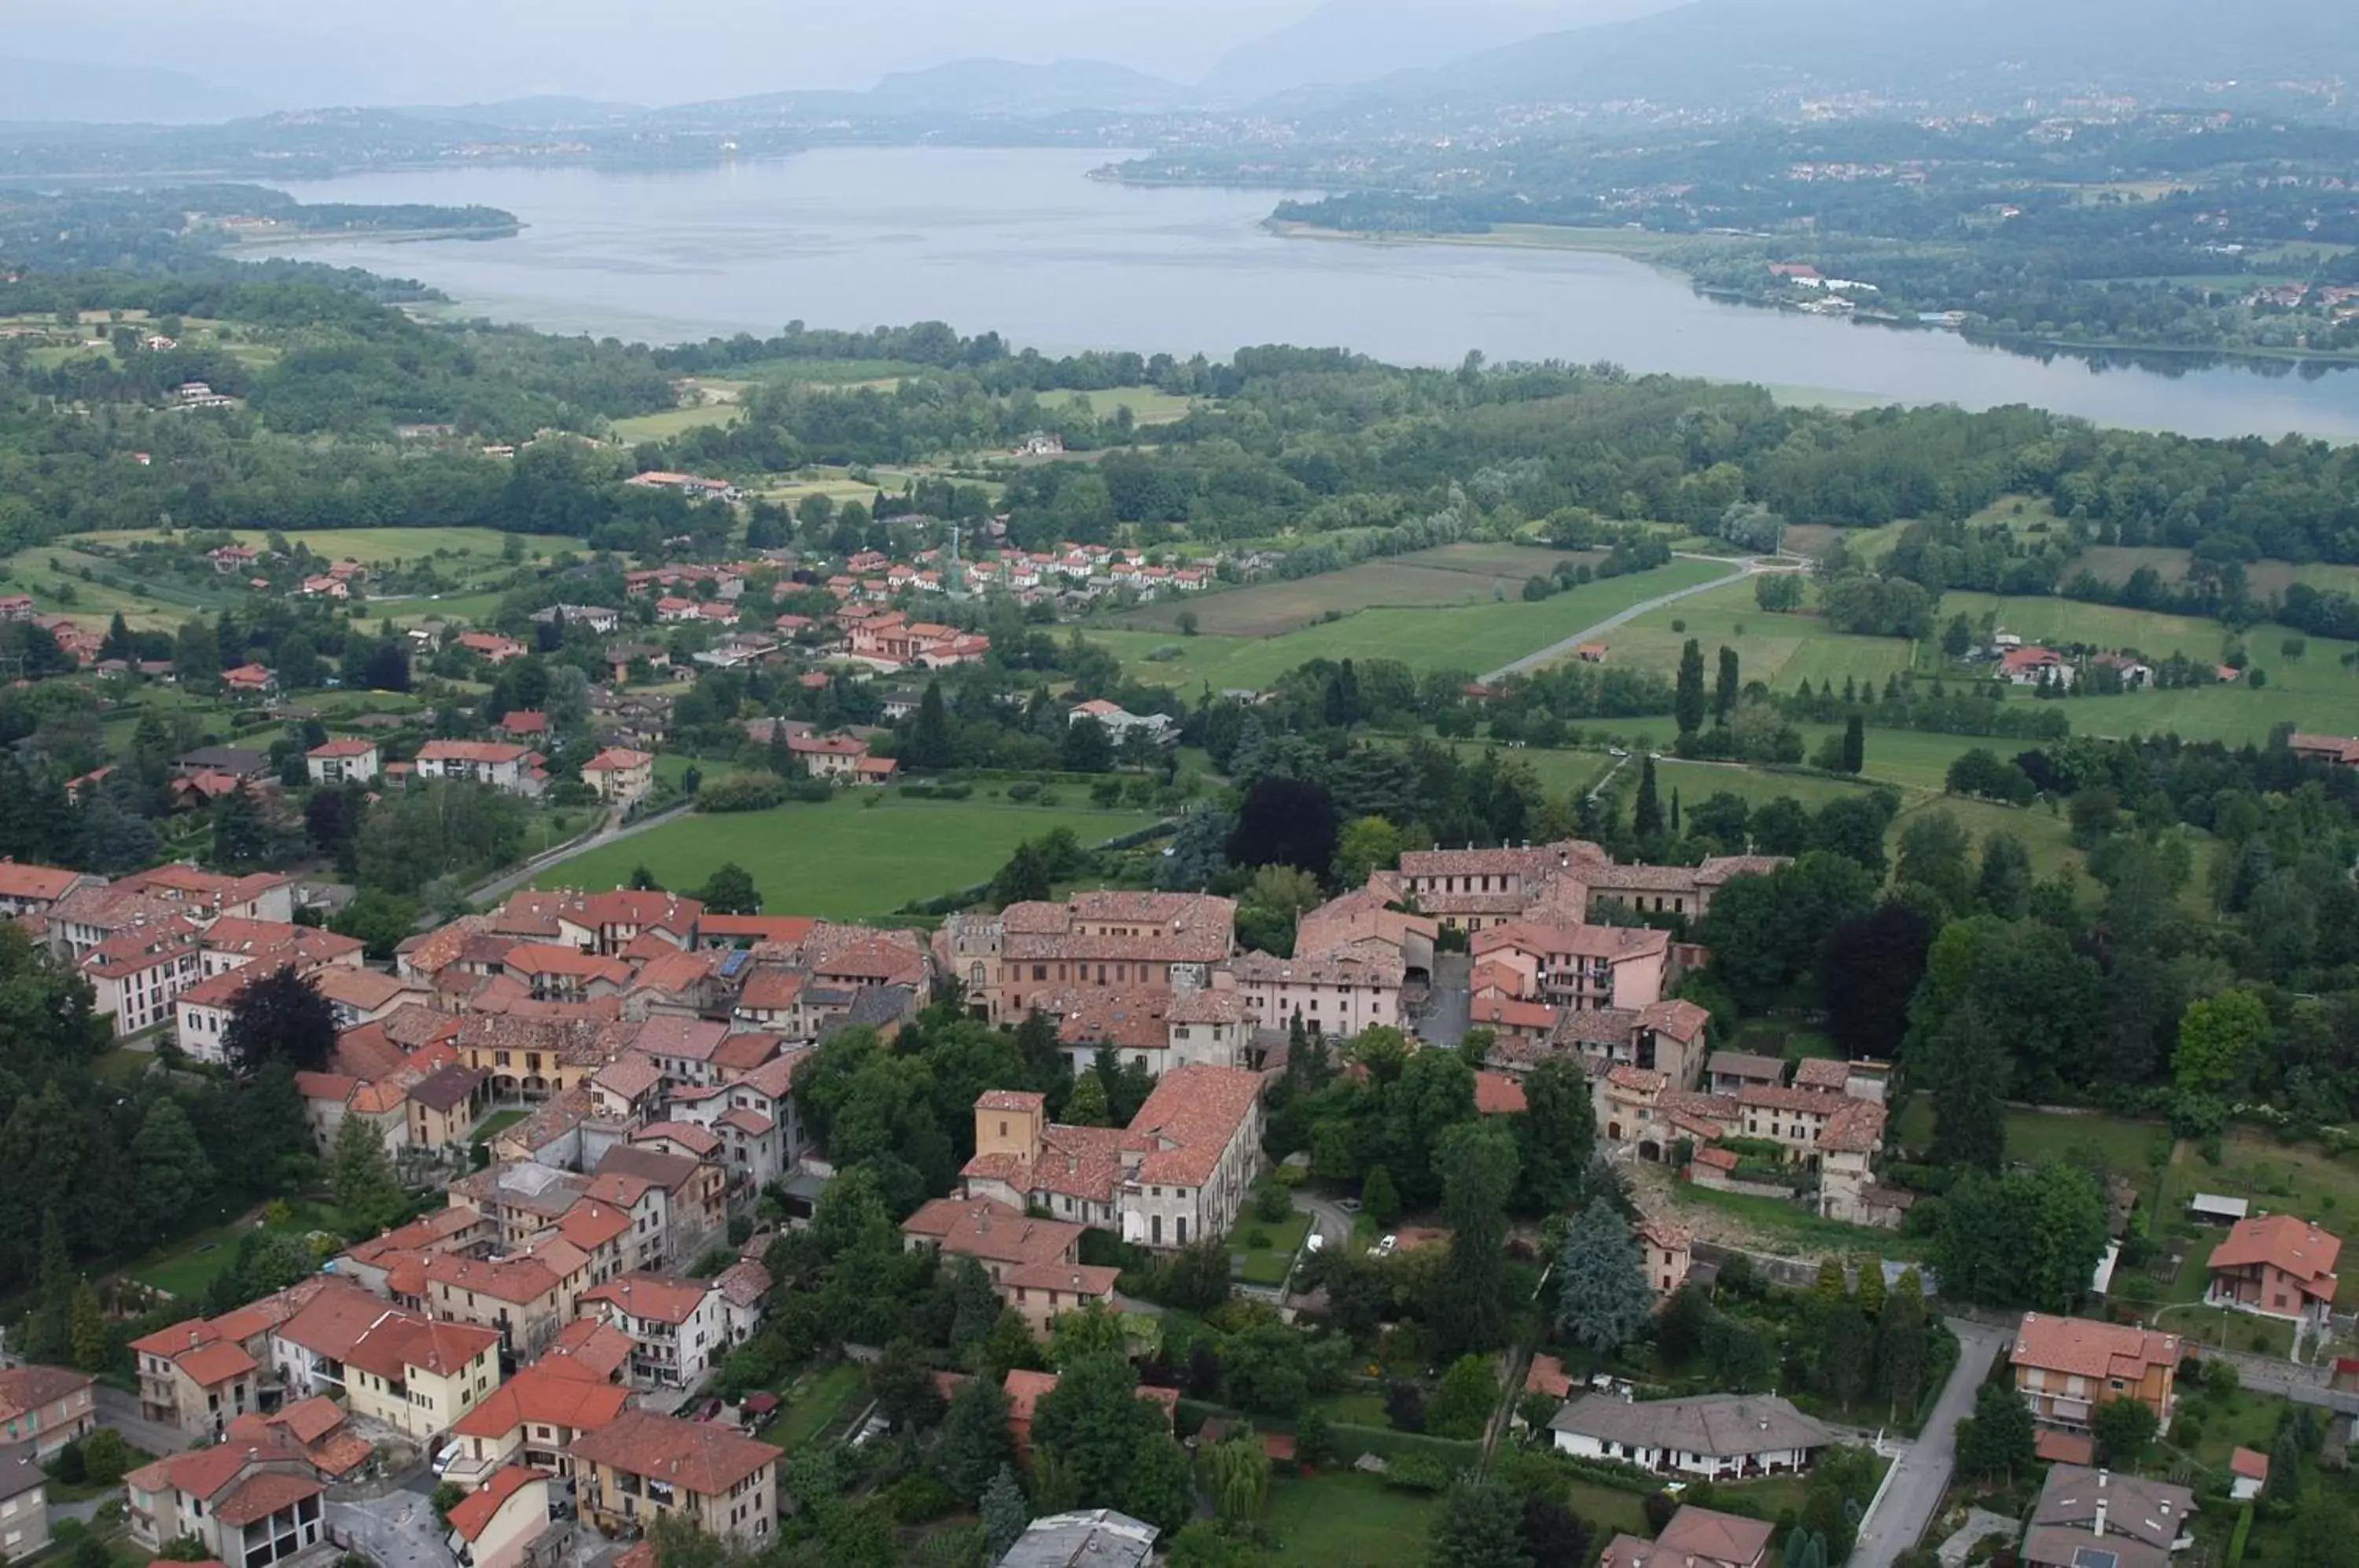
1315, 1242
450, 1456
1349, 1206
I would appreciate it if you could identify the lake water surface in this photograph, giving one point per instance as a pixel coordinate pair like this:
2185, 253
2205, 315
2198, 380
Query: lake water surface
1022, 242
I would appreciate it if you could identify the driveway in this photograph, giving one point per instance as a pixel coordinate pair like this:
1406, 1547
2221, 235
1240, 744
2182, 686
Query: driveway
1327, 1217
1913, 1491
120, 1411
1557, 650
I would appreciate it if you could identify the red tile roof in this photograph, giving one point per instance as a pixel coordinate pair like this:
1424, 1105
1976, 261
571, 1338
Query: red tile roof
259, 1496
2083, 1348
1195, 1112
475, 1513
2293, 1247
702, 1456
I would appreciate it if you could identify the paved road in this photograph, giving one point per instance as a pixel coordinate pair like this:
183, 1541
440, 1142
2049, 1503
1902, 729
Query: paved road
1922, 1472
120, 1411
1554, 651
1450, 1004
395, 1532
502, 885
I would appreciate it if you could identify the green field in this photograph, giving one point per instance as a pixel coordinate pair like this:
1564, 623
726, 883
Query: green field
847, 858
674, 422
1147, 406
1475, 637
2115, 563
1455, 574
815, 1401
1779, 650
375, 547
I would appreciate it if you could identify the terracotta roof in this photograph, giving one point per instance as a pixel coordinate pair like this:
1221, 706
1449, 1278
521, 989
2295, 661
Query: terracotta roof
518, 1281
1496, 1094
2293, 1247
617, 759
1822, 1072
583, 1348
629, 1075
982, 1228
1208, 1006
218, 1363
745, 1051
590, 1224
1813, 1102
1012, 1100
787, 929
2083, 1348
705, 1457
1741, 1064
1548, 1377
475, 1513
41, 882
2052, 1446
690, 1040
687, 1138
1714, 1537
771, 989
1856, 1127
259, 1496
2252, 1466
342, 748
549, 1393
1025, 1389
1195, 1111
479, 751
658, 1297
24, 1388
744, 1283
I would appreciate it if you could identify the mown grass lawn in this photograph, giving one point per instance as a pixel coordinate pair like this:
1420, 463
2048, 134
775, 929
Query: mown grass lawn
1347, 1519
1268, 1265
864, 853
814, 1402
674, 422
187, 1269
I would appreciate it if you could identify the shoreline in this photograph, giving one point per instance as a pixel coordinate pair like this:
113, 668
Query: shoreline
1600, 242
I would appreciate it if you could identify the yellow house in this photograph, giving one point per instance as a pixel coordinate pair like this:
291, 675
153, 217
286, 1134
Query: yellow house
412, 1373
620, 776
643, 1466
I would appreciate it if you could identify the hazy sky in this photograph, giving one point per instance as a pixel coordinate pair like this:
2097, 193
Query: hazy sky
651, 51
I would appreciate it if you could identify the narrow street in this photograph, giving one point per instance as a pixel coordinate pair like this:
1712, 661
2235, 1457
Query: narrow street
1913, 1492
120, 1411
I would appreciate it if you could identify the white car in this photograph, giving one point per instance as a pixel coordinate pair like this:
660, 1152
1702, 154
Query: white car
1615, 751
1385, 1247
450, 1456
1315, 1242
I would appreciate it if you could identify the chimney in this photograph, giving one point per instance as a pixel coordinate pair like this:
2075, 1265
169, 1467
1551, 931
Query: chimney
2100, 1529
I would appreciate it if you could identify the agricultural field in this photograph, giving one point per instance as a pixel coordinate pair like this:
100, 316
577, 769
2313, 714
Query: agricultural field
1433, 578
673, 422
52, 575
2115, 563
864, 853
1779, 650
1475, 638
1147, 406
378, 547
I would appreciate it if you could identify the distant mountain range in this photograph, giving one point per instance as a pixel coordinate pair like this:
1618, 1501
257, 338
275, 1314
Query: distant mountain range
1737, 53
1348, 41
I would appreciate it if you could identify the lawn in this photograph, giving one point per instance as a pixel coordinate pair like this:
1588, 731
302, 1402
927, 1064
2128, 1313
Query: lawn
814, 1402
864, 854
495, 1123
673, 422
2128, 1147
1346, 1519
186, 1271
1474, 638
1267, 1264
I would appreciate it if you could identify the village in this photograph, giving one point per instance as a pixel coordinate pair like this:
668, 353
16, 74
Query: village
602, 1095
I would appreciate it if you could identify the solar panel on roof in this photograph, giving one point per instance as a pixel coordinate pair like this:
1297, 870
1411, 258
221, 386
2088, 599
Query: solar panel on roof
2095, 1557
735, 962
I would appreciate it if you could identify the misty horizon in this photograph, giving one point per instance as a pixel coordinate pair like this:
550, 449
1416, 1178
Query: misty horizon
260, 55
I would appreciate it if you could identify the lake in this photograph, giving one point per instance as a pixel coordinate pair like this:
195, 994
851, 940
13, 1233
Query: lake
1021, 242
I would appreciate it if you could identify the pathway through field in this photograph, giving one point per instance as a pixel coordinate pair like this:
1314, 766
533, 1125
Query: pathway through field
1557, 650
